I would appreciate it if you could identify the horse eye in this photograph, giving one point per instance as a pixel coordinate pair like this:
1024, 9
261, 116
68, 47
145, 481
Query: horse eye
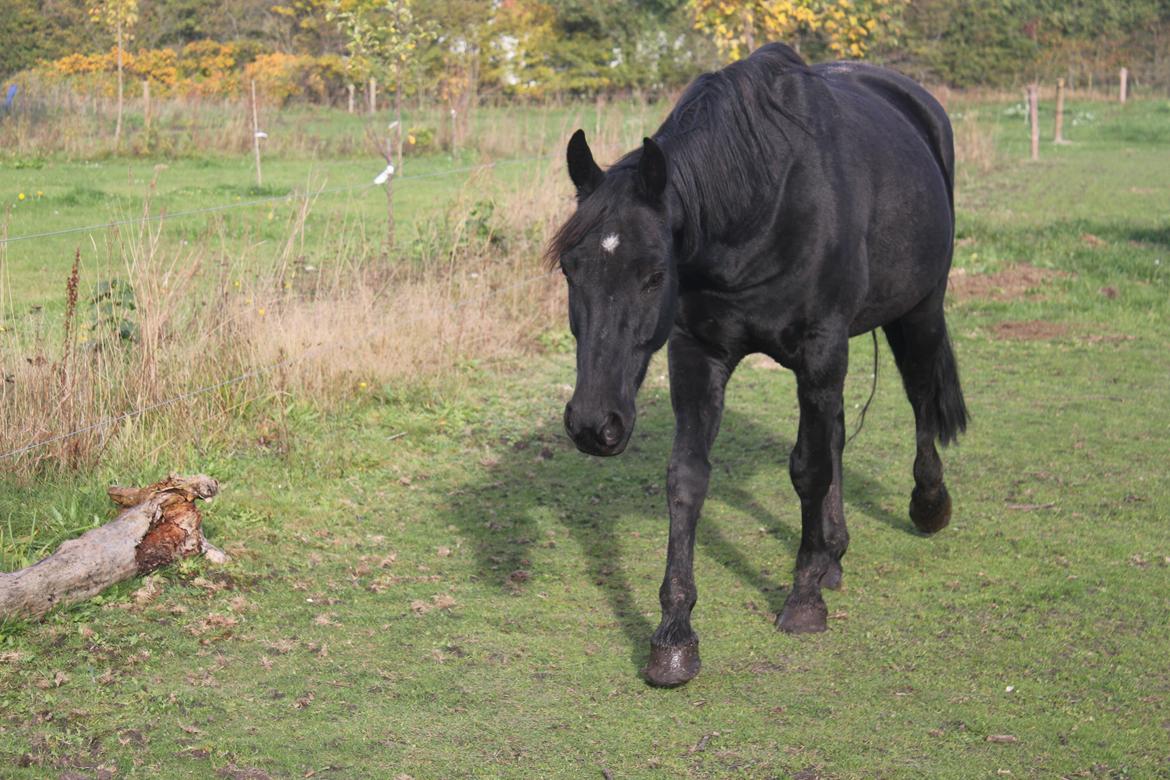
653, 281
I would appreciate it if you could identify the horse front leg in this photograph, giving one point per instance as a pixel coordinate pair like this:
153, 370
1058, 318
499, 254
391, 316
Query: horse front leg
697, 381
815, 467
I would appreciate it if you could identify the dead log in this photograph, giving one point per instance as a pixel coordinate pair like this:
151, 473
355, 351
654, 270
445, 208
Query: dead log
158, 525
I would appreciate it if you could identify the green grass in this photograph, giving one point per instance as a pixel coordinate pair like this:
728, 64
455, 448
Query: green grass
81, 194
318, 149
1043, 612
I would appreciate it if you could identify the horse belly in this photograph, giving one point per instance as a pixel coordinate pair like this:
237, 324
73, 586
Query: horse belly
908, 251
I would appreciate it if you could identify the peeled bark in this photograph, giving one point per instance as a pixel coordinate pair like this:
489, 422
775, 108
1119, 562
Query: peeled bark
158, 525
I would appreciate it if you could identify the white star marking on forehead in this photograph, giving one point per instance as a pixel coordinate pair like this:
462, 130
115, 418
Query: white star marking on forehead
610, 243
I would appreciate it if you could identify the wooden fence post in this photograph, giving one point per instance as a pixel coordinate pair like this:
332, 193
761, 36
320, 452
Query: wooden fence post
1124, 86
372, 95
256, 135
1034, 119
146, 103
389, 213
350, 88
1058, 133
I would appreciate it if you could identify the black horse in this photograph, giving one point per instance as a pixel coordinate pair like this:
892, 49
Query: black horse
780, 208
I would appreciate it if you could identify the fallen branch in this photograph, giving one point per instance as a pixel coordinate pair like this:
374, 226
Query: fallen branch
158, 525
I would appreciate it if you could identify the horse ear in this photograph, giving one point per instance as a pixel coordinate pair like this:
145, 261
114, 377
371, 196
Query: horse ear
652, 173
584, 172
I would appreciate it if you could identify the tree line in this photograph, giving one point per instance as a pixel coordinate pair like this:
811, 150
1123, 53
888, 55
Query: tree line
574, 48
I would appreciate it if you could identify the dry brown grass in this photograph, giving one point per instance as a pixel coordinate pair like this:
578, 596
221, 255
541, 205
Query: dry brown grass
975, 147
212, 340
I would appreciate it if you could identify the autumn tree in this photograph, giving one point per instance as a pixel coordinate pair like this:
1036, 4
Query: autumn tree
516, 61
386, 35
844, 28
465, 29
118, 16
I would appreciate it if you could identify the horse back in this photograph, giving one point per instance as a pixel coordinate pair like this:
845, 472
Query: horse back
905, 96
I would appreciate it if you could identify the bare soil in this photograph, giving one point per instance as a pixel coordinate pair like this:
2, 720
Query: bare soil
1030, 330
1016, 282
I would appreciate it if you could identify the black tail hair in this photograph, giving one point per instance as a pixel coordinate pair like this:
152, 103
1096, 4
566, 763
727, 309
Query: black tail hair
947, 407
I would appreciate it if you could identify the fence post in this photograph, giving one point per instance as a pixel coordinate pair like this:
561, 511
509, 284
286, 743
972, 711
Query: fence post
1124, 87
389, 213
372, 95
350, 88
1058, 133
146, 103
256, 134
1034, 119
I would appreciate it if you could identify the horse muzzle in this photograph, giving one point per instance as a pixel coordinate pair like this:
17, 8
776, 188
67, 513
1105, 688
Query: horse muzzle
600, 432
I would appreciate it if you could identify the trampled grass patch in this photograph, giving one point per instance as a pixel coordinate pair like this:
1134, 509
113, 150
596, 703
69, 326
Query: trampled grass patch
475, 598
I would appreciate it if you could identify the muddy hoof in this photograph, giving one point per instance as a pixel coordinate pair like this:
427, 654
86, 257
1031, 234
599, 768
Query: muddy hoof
831, 579
671, 666
803, 617
930, 510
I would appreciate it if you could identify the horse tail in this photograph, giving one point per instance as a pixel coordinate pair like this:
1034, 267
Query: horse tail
947, 407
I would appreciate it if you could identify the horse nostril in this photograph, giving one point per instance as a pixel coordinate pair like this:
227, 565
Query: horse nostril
569, 420
611, 432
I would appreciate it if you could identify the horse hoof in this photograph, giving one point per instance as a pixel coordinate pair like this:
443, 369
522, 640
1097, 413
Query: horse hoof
672, 666
804, 618
831, 579
930, 510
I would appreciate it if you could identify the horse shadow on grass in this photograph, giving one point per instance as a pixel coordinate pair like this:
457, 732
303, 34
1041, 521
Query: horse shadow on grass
538, 472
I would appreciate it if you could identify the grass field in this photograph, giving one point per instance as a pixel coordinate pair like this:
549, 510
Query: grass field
429, 581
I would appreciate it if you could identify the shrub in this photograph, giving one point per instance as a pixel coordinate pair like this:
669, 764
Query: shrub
286, 77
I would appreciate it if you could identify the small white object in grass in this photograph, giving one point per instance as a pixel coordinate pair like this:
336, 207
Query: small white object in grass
392, 125
610, 243
261, 134
1009, 689
384, 175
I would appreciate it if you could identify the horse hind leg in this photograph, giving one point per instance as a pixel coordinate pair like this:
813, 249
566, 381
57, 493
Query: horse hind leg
815, 468
930, 375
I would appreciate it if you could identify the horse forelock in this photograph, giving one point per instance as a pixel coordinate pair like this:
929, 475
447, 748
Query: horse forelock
585, 220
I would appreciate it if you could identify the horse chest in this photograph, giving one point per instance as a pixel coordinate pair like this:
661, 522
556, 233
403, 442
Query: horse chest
708, 318
734, 323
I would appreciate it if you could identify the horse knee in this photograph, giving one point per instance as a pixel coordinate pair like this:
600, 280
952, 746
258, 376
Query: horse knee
686, 482
810, 478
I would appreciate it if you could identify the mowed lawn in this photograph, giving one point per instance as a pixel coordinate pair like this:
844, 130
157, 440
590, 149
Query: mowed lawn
474, 598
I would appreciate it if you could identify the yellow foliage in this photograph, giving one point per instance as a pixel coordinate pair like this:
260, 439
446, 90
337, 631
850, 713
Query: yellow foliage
114, 14
205, 69
845, 27
159, 66
281, 77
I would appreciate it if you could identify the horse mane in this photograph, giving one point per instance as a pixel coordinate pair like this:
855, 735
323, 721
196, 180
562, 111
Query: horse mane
726, 123
736, 120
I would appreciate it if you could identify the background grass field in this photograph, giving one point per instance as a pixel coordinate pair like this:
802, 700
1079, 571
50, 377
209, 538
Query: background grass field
474, 598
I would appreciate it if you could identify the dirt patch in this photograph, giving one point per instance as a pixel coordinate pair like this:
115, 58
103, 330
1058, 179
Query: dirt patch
1043, 330
1016, 282
1030, 330
762, 362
